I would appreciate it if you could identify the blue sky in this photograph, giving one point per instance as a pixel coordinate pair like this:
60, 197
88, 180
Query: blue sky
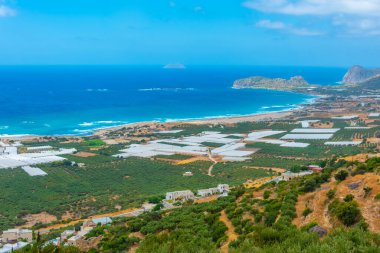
192, 32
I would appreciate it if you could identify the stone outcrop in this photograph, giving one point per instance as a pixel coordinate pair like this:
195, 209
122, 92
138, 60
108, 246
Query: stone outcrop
358, 74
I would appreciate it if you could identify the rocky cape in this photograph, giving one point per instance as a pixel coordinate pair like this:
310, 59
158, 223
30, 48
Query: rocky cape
259, 82
358, 75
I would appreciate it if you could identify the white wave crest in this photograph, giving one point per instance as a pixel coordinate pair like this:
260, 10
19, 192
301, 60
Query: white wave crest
167, 89
97, 90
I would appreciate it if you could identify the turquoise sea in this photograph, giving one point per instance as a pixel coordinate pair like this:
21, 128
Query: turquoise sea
56, 100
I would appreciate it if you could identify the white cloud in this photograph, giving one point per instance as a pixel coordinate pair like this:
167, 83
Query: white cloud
352, 17
270, 24
358, 26
276, 25
7, 11
317, 7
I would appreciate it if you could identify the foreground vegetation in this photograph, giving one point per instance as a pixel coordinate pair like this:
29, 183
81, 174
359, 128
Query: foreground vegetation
262, 219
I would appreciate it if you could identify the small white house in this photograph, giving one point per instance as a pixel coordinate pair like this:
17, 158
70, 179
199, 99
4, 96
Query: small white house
208, 192
17, 234
9, 248
180, 195
223, 188
188, 174
220, 189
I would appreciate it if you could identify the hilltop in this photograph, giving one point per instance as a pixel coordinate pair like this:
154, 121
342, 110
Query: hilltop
360, 75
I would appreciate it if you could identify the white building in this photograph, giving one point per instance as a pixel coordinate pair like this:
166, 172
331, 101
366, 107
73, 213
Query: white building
220, 189
188, 174
17, 234
8, 248
66, 234
180, 195
208, 192
223, 188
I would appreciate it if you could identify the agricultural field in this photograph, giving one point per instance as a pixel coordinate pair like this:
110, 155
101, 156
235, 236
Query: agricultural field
104, 184
97, 182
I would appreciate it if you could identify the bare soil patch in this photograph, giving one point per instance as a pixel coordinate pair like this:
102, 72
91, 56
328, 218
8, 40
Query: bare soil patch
231, 234
44, 218
280, 170
207, 199
85, 154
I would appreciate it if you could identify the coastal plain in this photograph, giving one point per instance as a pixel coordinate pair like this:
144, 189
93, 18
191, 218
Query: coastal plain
105, 183
124, 167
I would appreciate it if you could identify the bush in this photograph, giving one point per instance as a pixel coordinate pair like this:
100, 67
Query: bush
331, 193
310, 185
349, 198
266, 194
306, 212
367, 191
346, 212
341, 175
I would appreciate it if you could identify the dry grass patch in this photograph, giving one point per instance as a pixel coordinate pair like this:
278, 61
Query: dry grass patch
318, 201
85, 154
33, 219
231, 234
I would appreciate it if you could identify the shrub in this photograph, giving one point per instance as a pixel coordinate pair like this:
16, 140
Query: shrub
348, 198
306, 212
331, 193
258, 217
347, 212
341, 175
310, 185
367, 191
266, 194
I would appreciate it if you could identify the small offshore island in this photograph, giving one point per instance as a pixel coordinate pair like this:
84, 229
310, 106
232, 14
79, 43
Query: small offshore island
139, 186
259, 82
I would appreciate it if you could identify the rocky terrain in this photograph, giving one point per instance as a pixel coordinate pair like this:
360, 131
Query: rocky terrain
358, 74
295, 82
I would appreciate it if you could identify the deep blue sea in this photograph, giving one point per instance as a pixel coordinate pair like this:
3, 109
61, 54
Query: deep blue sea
55, 100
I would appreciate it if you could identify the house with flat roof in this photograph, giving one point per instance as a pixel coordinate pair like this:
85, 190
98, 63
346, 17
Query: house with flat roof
13, 235
180, 195
208, 192
9, 248
66, 234
220, 189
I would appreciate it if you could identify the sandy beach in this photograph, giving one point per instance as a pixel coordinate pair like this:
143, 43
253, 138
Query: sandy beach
222, 120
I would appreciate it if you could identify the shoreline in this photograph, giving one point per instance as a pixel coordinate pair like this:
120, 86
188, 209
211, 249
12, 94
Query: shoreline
223, 119
252, 117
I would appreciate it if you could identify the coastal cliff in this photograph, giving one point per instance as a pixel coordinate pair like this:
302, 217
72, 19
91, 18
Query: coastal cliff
296, 82
358, 75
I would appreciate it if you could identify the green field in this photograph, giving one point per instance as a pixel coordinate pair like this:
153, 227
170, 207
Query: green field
106, 182
102, 184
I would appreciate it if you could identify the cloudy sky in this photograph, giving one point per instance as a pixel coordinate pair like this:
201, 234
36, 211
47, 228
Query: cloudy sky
193, 32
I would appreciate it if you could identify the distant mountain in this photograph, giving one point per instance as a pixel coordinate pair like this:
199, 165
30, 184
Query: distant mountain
358, 74
271, 83
372, 83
